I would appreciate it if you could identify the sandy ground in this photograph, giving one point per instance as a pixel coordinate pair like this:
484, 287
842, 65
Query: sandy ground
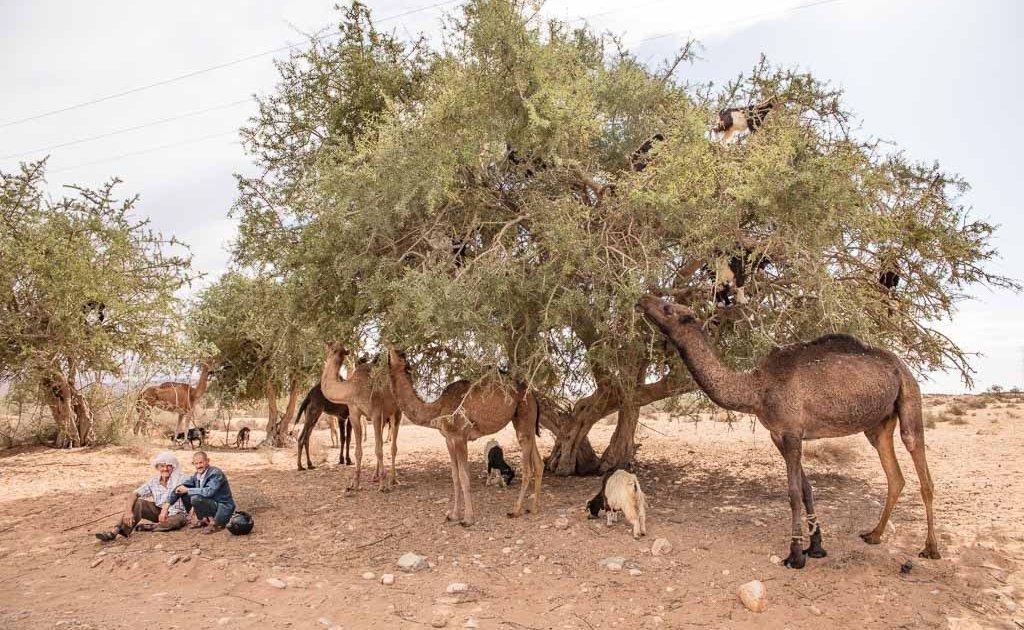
716, 492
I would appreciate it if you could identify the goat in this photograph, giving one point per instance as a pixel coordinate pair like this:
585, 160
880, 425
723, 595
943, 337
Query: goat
733, 120
242, 439
731, 273
638, 159
620, 490
197, 434
496, 464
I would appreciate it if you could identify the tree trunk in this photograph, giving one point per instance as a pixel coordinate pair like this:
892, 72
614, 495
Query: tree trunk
293, 401
70, 411
622, 446
273, 417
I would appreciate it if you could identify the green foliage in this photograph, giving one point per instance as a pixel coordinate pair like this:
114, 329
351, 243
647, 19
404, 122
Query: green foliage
89, 285
485, 209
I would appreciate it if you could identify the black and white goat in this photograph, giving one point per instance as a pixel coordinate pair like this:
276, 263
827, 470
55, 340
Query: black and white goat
497, 468
734, 120
620, 491
731, 275
639, 159
197, 434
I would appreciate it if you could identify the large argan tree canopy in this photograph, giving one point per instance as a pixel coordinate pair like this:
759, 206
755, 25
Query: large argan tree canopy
484, 210
87, 286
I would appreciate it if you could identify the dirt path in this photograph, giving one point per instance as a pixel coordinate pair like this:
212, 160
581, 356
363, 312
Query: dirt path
717, 493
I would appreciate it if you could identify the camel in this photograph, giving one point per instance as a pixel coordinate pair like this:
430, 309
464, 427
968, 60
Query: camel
465, 412
179, 398
363, 399
315, 404
830, 387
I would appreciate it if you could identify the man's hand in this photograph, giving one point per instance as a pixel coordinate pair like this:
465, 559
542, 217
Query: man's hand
163, 514
127, 518
181, 490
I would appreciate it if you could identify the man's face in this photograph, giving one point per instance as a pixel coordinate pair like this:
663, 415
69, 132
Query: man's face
200, 463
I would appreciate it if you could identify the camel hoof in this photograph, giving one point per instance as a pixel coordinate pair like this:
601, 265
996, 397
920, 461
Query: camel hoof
795, 561
816, 552
930, 553
466, 523
514, 514
871, 538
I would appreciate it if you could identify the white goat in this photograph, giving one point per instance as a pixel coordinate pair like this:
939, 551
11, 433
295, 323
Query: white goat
620, 490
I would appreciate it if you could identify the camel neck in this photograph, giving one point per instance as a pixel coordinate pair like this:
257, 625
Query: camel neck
727, 388
204, 377
331, 385
418, 411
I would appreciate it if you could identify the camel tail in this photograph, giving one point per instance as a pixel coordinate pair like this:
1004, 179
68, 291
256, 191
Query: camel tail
908, 408
302, 408
536, 403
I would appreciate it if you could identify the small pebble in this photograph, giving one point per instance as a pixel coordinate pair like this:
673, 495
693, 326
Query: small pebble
277, 583
369, 575
387, 579
635, 572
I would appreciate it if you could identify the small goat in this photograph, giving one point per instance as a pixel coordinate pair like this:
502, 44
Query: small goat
620, 490
496, 464
733, 120
242, 439
197, 434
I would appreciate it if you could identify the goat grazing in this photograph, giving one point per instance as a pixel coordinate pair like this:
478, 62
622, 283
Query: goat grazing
620, 490
242, 439
733, 120
496, 464
191, 436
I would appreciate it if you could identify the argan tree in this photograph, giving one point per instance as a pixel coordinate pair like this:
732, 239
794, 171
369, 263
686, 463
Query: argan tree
87, 286
492, 212
263, 347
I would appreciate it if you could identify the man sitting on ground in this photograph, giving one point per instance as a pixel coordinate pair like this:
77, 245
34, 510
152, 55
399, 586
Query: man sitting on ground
209, 493
153, 501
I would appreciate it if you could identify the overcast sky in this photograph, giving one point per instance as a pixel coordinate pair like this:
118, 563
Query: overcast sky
940, 78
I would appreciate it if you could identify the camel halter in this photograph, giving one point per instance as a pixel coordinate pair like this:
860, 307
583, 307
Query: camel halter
812, 525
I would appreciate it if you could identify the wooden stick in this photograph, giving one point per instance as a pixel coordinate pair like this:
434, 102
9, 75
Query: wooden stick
68, 529
370, 544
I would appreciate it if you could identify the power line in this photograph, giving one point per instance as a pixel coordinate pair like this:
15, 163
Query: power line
220, 66
127, 129
149, 150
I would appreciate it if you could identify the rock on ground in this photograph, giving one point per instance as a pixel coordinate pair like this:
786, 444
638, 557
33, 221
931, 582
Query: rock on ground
754, 596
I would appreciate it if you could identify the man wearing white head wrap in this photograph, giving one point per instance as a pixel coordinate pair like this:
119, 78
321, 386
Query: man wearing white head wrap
154, 501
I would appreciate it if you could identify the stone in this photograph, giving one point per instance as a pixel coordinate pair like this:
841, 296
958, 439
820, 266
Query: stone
457, 587
369, 575
471, 622
223, 621
295, 582
661, 547
251, 577
95, 563
527, 570
635, 572
173, 560
277, 583
196, 552
387, 579
774, 559
506, 550
613, 564
324, 621
412, 562
754, 596
561, 523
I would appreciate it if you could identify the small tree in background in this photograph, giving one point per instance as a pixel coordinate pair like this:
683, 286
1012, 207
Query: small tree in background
89, 287
485, 209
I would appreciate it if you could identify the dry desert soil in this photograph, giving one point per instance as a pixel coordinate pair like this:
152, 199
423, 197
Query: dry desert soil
716, 492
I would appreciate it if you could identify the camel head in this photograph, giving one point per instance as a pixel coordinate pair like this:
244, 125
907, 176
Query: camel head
665, 315
335, 349
396, 360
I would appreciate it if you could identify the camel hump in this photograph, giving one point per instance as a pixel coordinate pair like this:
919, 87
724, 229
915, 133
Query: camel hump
840, 342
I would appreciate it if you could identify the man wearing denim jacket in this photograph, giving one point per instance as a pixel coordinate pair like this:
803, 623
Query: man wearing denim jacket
210, 494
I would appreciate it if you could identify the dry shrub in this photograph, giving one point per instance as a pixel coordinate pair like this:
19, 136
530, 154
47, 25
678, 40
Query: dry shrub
957, 409
931, 418
831, 453
959, 420
976, 402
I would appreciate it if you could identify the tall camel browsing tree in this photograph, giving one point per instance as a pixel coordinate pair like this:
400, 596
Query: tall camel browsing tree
494, 211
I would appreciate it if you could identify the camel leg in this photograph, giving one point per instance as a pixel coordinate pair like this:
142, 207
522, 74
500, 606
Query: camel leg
526, 447
916, 447
455, 506
348, 442
304, 443
395, 421
378, 449
462, 457
356, 416
881, 438
334, 433
791, 448
815, 550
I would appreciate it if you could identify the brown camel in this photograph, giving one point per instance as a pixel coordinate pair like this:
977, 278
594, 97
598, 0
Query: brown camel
179, 398
315, 404
363, 399
465, 412
830, 387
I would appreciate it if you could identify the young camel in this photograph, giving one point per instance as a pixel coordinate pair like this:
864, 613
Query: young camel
830, 387
465, 412
363, 399
315, 404
179, 398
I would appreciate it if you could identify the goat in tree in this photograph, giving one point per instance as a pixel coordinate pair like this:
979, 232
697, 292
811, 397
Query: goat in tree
830, 387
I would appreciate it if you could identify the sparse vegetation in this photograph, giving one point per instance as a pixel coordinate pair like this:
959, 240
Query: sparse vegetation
830, 453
